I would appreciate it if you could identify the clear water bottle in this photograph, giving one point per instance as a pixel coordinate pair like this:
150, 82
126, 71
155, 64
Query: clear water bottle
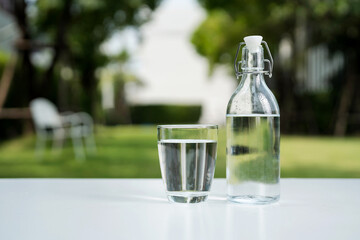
253, 130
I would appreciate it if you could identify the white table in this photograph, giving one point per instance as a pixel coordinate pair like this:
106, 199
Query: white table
138, 209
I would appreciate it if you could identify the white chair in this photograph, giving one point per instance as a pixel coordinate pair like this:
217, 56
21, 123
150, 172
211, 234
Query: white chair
50, 124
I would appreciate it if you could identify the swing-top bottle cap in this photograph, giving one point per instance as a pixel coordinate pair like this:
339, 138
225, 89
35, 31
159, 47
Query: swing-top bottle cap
253, 57
253, 42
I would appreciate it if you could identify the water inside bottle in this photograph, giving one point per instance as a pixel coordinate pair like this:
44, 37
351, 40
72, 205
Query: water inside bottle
252, 150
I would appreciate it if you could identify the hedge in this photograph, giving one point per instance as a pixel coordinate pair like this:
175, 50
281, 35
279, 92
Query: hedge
165, 114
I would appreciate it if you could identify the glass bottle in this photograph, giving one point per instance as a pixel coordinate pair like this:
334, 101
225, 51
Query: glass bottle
253, 130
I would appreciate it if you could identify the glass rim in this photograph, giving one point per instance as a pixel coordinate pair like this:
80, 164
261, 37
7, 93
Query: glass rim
188, 126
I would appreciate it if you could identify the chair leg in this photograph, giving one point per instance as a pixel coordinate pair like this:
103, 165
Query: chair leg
87, 130
77, 142
90, 143
58, 139
40, 145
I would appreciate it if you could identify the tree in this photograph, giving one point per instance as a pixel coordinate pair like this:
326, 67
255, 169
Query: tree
73, 30
305, 23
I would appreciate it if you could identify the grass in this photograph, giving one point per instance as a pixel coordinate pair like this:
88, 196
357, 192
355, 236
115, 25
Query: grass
131, 151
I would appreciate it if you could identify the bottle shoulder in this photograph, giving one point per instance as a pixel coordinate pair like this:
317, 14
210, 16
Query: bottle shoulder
249, 100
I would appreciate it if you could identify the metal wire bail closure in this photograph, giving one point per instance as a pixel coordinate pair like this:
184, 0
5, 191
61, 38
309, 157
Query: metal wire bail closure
270, 62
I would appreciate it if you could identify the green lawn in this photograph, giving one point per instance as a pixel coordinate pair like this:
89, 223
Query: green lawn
126, 152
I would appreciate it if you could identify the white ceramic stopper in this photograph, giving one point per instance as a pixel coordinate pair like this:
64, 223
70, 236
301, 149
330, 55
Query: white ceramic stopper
253, 42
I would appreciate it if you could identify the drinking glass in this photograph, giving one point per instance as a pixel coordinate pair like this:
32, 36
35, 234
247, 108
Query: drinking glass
187, 155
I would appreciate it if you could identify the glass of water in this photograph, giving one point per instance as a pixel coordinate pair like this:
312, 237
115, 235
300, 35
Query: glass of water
187, 156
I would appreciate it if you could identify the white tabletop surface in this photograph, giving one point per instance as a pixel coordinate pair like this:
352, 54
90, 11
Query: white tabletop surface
138, 209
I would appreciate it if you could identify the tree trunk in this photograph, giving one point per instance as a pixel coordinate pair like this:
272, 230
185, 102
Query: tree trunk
59, 46
121, 107
6, 79
89, 93
346, 98
27, 68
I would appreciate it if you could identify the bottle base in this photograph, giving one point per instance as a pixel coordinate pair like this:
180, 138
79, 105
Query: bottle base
254, 199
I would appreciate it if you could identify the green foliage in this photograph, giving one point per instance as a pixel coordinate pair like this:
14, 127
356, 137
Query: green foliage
4, 58
79, 27
165, 114
303, 24
334, 22
209, 40
225, 26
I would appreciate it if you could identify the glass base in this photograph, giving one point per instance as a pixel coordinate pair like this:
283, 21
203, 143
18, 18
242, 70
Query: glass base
186, 197
253, 199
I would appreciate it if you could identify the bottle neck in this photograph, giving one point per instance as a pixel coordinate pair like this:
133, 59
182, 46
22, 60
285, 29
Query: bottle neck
252, 61
252, 79
252, 66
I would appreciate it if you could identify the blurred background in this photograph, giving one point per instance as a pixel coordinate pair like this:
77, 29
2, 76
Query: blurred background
83, 83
